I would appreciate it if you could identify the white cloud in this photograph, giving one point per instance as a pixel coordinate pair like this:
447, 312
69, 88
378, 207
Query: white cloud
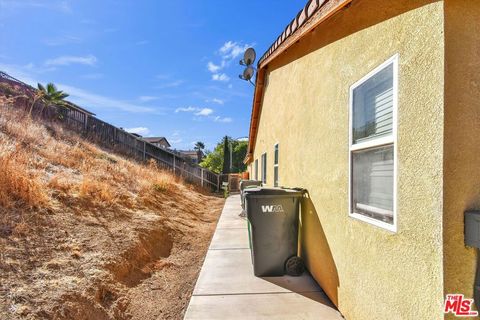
22, 73
198, 111
213, 68
142, 42
87, 99
224, 120
88, 60
32, 68
187, 109
171, 84
232, 49
229, 51
216, 100
175, 141
204, 112
220, 77
143, 131
147, 98
62, 40
63, 6
175, 137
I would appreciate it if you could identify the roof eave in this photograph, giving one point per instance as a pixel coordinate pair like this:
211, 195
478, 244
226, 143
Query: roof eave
312, 15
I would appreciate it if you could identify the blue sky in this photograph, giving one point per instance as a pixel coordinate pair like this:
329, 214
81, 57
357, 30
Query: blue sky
161, 68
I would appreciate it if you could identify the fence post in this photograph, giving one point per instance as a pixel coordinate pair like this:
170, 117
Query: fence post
144, 151
86, 122
173, 163
218, 182
202, 177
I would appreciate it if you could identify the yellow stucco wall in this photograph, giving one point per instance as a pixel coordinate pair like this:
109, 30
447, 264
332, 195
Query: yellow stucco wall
462, 134
370, 273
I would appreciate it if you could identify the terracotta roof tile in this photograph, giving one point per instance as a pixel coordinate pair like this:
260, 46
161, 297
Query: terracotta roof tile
312, 7
300, 19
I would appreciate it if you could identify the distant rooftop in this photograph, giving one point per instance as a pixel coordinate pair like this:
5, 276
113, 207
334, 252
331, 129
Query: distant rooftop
189, 152
156, 140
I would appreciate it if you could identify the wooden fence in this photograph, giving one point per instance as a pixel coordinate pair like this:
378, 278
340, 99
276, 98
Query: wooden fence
125, 143
80, 120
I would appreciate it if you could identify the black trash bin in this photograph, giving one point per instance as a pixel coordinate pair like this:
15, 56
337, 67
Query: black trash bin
273, 224
244, 184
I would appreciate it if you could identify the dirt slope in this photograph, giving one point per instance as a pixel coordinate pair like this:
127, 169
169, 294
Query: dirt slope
85, 234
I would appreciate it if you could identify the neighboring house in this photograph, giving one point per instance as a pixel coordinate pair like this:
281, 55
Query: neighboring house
194, 155
373, 106
136, 134
160, 142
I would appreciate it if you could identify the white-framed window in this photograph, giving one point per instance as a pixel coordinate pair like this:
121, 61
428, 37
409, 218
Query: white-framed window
264, 168
373, 146
275, 165
256, 169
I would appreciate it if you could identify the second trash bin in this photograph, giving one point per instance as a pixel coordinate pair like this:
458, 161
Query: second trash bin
244, 184
273, 220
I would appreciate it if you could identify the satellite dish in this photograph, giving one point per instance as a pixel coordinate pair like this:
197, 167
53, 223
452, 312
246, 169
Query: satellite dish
249, 56
248, 73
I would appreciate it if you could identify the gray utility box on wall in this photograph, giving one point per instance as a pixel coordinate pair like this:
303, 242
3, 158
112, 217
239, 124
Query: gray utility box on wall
273, 214
472, 229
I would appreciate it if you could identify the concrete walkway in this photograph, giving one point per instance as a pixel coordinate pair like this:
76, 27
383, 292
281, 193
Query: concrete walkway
227, 288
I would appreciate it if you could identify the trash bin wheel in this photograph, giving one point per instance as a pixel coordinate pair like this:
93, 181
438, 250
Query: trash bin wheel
294, 266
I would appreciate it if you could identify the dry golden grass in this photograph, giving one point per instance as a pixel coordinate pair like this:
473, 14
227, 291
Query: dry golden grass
60, 183
19, 186
41, 165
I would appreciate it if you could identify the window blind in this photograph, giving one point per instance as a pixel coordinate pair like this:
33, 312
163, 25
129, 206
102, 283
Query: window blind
373, 182
373, 111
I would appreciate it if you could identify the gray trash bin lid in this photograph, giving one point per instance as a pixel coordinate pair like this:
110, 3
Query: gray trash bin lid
274, 192
248, 183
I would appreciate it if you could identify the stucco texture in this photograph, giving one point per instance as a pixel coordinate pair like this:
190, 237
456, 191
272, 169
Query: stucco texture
462, 133
369, 272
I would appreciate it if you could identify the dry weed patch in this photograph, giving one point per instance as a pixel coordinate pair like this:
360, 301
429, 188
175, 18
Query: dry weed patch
19, 187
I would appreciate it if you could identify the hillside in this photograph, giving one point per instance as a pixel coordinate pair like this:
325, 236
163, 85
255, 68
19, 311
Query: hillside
86, 234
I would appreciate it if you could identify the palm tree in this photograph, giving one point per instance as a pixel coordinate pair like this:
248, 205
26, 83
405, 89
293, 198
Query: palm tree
48, 96
199, 146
